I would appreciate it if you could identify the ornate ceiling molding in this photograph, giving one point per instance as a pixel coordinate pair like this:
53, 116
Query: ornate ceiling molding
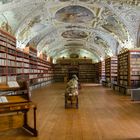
120, 20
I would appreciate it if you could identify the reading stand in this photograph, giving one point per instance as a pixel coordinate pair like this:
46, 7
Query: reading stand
15, 104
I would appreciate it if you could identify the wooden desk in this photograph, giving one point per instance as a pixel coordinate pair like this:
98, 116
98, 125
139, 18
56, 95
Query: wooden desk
5, 87
13, 114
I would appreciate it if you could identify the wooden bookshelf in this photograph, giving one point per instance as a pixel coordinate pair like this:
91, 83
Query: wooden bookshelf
87, 73
16, 65
60, 71
129, 69
103, 70
23, 66
39, 69
7, 57
97, 69
45, 71
32, 56
111, 69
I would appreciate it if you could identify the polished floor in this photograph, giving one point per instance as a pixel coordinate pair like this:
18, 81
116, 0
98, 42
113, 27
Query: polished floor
102, 115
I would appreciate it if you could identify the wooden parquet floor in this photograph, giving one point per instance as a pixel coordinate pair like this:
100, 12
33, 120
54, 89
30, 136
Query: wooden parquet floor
102, 115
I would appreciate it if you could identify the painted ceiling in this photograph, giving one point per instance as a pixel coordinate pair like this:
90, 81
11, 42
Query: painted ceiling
91, 28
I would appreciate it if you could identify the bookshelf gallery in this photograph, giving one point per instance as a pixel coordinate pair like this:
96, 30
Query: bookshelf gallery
123, 72
83, 68
16, 65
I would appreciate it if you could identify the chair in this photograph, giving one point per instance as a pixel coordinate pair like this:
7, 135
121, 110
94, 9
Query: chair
71, 101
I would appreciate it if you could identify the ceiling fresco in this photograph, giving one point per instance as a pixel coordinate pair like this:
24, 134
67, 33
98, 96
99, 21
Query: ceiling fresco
74, 14
5, 1
113, 26
77, 34
94, 28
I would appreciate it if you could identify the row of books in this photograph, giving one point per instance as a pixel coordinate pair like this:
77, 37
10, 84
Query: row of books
135, 77
135, 62
31, 76
3, 70
2, 48
43, 64
2, 62
26, 70
20, 59
11, 51
33, 71
32, 66
2, 38
43, 68
123, 77
3, 79
4, 44
12, 70
2, 55
19, 70
136, 72
11, 57
19, 64
11, 63
11, 78
123, 73
135, 55
44, 79
135, 67
7, 36
123, 83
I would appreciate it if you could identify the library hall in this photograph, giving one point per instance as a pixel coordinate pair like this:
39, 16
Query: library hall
69, 69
